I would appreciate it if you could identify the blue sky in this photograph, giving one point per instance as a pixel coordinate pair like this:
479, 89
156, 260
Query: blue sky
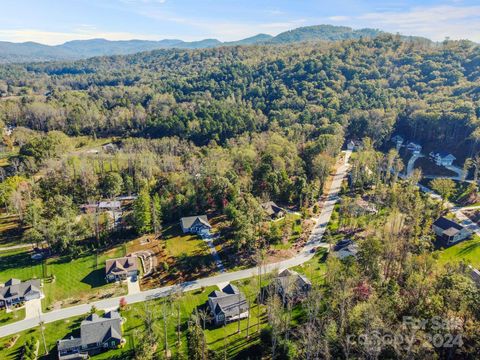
57, 21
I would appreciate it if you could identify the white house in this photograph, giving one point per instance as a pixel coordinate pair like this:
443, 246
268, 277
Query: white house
195, 224
414, 147
450, 231
398, 141
443, 158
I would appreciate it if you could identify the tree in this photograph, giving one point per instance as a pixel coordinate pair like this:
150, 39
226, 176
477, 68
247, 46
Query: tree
156, 214
142, 216
112, 184
444, 187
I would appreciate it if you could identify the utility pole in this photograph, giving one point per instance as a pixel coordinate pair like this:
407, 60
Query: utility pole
41, 323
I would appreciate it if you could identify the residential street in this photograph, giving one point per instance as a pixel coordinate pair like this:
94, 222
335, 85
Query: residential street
315, 241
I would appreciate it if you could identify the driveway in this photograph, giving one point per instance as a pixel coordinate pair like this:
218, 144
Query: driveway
133, 286
33, 308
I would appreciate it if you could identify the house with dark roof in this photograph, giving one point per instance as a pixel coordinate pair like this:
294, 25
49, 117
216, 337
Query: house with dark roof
97, 334
121, 268
443, 158
414, 147
449, 231
195, 224
475, 275
273, 210
16, 292
291, 286
228, 304
345, 248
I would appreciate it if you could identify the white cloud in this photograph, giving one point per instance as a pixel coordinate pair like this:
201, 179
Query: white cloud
435, 22
338, 18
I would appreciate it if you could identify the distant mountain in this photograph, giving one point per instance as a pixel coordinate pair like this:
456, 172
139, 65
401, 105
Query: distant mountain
323, 32
82, 49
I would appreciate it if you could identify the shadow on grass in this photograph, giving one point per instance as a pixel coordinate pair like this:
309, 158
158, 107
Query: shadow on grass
95, 279
20, 260
469, 248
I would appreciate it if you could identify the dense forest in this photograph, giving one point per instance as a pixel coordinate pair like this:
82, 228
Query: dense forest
369, 86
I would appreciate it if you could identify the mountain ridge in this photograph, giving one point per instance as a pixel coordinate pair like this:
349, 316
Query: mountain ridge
82, 49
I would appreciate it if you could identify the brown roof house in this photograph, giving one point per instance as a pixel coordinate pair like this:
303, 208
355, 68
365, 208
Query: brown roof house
97, 334
121, 268
16, 292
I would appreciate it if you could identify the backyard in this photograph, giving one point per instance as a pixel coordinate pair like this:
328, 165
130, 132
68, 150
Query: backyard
467, 251
67, 281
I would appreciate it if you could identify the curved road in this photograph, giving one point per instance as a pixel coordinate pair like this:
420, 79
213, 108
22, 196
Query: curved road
112, 303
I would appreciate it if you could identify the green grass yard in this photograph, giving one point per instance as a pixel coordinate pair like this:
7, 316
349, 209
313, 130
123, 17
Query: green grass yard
467, 251
12, 316
75, 280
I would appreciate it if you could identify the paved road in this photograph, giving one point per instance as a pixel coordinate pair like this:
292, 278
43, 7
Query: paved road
314, 241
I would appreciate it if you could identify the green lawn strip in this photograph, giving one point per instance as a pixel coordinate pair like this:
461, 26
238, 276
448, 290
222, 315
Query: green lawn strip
12, 316
467, 251
74, 278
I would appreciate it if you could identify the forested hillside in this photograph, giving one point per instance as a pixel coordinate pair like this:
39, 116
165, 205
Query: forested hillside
368, 86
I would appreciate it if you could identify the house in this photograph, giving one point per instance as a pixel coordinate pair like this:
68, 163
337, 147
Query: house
351, 145
398, 141
273, 210
291, 286
16, 292
443, 158
414, 148
97, 334
450, 231
475, 275
121, 268
228, 304
195, 224
345, 248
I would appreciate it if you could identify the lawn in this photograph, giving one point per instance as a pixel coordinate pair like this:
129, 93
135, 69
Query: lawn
75, 280
9, 317
10, 230
467, 251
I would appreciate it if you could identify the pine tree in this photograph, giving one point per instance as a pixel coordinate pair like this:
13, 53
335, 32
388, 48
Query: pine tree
142, 212
156, 215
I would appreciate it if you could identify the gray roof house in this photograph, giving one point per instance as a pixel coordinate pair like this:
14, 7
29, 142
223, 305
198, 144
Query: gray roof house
195, 224
443, 158
450, 231
16, 292
291, 286
96, 334
121, 268
273, 210
345, 248
475, 275
227, 305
